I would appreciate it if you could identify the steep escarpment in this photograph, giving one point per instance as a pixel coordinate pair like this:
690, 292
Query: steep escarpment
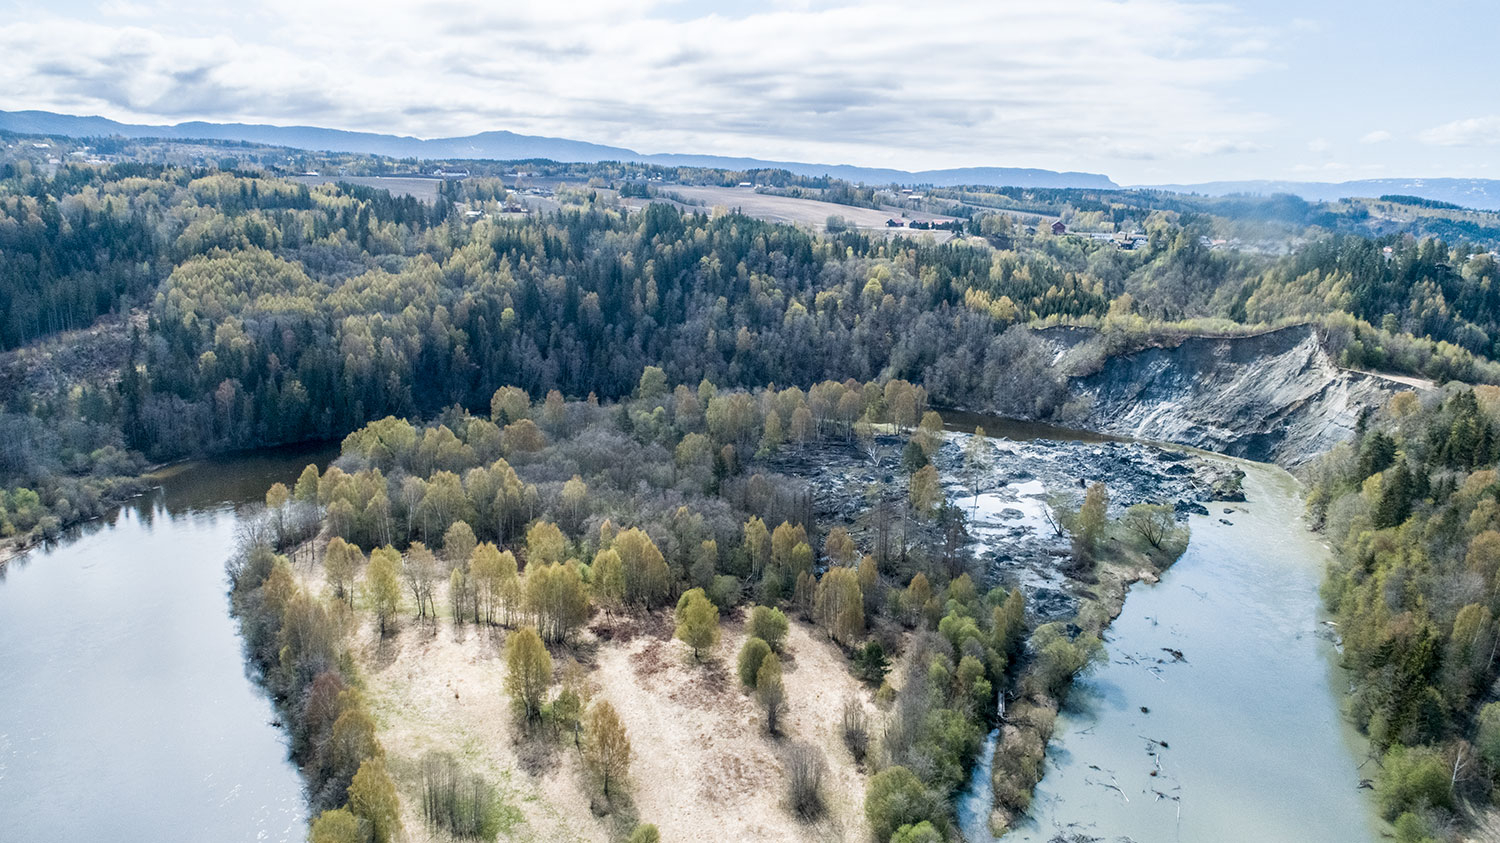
1273, 397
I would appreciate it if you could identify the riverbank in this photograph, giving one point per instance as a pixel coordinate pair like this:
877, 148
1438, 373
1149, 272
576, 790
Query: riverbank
436, 686
117, 492
14, 547
1217, 715
128, 711
1018, 750
1014, 503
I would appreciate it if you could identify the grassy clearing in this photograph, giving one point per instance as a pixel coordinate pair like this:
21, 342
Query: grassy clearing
704, 767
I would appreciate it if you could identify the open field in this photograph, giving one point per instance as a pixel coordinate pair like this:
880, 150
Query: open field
703, 766
424, 189
811, 212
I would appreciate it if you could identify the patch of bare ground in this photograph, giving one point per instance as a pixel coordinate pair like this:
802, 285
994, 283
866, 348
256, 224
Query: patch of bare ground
13, 547
52, 365
704, 767
795, 210
434, 687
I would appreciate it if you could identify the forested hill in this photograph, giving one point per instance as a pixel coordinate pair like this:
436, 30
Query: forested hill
509, 146
1410, 505
271, 311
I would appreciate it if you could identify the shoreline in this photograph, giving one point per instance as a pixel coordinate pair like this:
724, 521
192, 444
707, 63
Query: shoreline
1027, 715
1120, 566
1259, 567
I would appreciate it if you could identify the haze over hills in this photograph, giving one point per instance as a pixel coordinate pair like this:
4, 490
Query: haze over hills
506, 146
1470, 193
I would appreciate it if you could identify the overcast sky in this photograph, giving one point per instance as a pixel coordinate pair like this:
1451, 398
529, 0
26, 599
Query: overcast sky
1143, 90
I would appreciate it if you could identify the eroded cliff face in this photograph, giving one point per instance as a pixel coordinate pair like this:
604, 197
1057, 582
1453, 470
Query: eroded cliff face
1274, 397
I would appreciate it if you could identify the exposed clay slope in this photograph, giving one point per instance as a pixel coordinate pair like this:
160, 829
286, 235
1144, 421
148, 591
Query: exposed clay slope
1274, 397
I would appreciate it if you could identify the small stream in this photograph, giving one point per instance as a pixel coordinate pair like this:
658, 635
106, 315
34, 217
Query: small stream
1241, 739
127, 711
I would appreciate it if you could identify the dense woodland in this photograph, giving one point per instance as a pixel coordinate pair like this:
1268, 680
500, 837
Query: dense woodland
246, 310
544, 517
266, 311
1413, 506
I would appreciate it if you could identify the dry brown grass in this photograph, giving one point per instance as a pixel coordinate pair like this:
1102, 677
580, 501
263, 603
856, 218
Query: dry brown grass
797, 211
704, 767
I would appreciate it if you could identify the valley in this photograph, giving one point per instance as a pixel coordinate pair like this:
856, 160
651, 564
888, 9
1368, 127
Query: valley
658, 505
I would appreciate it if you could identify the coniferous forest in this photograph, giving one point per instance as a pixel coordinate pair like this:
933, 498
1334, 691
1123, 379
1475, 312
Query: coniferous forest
602, 389
245, 310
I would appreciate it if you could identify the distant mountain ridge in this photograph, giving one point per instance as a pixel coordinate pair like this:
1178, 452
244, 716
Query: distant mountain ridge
508, 146
1483, 194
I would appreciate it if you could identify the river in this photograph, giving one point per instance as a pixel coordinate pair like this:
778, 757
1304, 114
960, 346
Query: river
1244, 733
128, 712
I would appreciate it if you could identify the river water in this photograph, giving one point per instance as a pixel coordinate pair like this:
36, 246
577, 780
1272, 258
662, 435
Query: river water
1244, 733
128, 714
125, 708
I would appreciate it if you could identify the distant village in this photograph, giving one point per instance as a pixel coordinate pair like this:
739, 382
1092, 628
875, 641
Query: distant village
530, 193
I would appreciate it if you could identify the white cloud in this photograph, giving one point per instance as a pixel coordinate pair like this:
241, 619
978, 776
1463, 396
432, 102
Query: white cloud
1220, 146
958, 82
1319, 145
1324, 168
1377, 136
1475, 131
124, 9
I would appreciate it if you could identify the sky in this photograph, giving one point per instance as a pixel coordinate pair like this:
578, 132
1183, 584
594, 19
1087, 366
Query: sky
1145, 91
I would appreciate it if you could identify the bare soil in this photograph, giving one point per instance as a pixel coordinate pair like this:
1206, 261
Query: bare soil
51, 366
703, 767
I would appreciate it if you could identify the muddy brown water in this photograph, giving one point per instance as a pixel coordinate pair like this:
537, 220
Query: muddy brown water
125, 708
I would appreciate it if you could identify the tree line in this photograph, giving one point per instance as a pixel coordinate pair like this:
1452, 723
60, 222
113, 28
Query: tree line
267, 311
540, 515
1412, 507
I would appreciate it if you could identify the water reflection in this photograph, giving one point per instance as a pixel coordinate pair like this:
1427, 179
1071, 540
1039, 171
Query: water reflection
125, 711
